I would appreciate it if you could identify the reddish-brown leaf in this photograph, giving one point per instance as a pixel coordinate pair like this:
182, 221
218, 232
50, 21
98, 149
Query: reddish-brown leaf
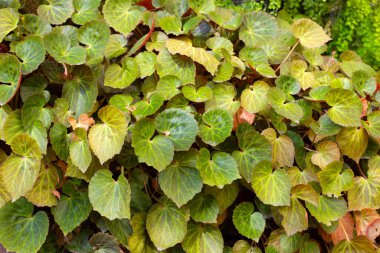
242, 116
84, 121
367, 223
345, 229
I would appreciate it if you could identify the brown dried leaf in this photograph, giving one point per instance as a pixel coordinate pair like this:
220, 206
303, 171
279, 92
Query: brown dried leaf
84, 121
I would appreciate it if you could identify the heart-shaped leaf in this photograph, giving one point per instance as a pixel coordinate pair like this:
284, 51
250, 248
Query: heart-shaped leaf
179, 126
56, 12
254, 148
249, 223
107, 139
121, 15
333, 180
158, 151
20, 230
271, 187
101, 187
218, 170
8, 21
166, 223
216, 127
209, 237
20, 170
181, 180
257, 28
32, 53
346, 107
10, 76
72, 209
309, 33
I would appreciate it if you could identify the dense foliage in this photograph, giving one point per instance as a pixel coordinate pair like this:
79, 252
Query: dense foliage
354, 24
182, 126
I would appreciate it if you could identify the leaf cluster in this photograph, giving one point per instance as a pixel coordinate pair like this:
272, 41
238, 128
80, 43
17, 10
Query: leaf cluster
182, 126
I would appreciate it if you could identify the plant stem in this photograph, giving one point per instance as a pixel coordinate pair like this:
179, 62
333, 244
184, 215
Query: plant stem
286, 58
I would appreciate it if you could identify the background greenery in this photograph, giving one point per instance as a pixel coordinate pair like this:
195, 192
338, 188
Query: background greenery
353, 24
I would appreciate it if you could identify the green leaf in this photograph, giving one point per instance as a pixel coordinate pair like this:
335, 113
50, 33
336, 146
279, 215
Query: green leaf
365, 192
333, 180
242, 246
363, 82
33, 111
10, 76
253, 56
8, 21
139, 241
109, 197
254, 98
346, 107
56, 12
166, 224
225, 196
199, 95
104, 243
35, 25
283, 148
20, 170
158, 151
224, 98
72, 209
85, 11
183, 46
81, 91
226, 18
20, 230
121, 229
32, 53
13, 126
372, 125
216, 126
167, 87
309, 33
324, 126
224, 72
257, 28
327, 152
328, 209
148, 106
254, 148
176, 65
288, 84
59, 47
121, 15
146, 62
42, 191
107, 139
202, 6
290, 110
202, 238
204, 208
218, 170
94, 35
352, 142
115, 46
59, 140
181, 180
358, 244
249, 223
271, 187
79, 150
294, 217
122, 77
179, 126
170, 23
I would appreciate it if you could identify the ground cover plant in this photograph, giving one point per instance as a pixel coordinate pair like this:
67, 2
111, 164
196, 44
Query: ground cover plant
182, 126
